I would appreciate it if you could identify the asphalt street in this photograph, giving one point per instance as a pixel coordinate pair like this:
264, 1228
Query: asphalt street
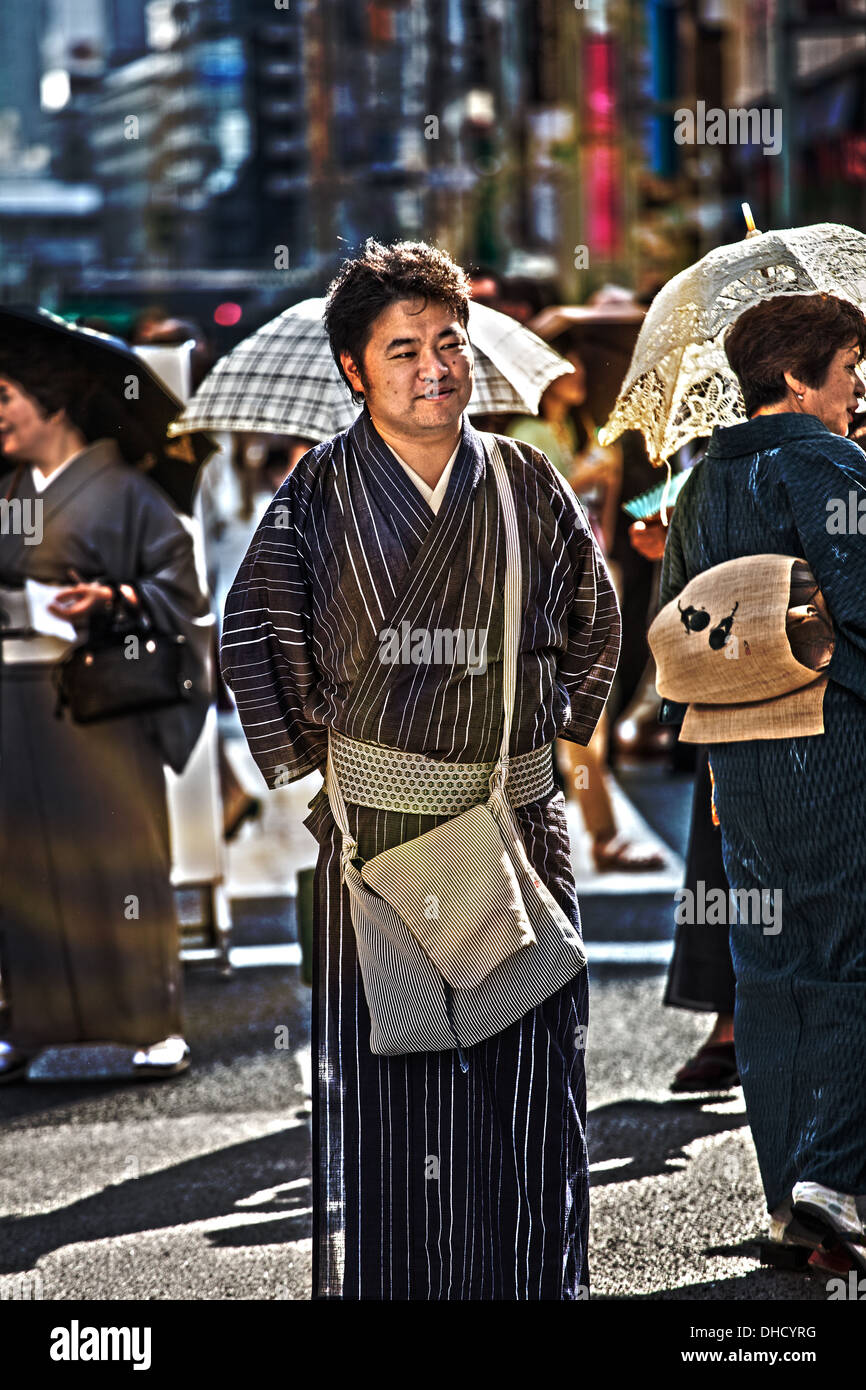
199, 1188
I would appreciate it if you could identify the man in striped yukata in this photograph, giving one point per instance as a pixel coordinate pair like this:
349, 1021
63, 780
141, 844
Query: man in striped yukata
429, 1183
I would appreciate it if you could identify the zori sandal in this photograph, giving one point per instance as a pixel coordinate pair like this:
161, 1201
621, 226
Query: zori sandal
713, 1068
833, 1220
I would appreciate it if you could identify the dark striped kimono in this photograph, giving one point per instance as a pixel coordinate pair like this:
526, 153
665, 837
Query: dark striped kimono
428, 1183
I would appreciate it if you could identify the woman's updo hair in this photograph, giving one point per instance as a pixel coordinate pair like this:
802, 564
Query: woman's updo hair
57, 381
797, 333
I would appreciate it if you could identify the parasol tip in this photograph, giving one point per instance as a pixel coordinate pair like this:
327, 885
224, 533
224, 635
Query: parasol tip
751, 229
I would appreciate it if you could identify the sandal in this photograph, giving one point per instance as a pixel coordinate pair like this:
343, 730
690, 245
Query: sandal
13, 1063
833, 1221
836, 1261
237, 812
713, 1068
167, 1058
619, 854
790, 1245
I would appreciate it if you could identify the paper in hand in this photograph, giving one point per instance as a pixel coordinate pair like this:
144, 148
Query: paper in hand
38, 598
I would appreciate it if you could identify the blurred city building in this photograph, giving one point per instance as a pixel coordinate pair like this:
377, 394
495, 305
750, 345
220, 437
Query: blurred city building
251, 144
809, 57
51, 212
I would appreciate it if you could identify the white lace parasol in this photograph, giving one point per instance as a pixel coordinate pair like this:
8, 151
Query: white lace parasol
679, 386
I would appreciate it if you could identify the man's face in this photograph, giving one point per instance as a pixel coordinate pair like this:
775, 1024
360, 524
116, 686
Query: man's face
417, 369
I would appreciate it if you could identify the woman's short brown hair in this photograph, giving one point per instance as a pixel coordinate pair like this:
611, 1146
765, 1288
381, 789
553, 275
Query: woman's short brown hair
797, 333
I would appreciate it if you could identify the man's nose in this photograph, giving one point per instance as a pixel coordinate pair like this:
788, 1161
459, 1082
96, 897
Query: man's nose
859, 386
430, 364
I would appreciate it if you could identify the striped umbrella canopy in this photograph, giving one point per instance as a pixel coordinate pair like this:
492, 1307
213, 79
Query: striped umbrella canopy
284, 380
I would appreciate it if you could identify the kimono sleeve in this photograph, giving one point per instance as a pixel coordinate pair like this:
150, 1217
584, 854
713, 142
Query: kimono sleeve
827, 495
267, 649
674, 577
153, 551
166, 576
587, 667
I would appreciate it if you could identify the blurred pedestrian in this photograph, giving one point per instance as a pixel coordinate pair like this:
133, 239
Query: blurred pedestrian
594, 472
701, 974
158, 329
88, 931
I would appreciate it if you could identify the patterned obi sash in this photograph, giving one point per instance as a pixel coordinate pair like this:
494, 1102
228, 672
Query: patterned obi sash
388, 779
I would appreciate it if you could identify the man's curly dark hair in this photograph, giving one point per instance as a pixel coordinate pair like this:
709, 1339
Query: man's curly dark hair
380, 276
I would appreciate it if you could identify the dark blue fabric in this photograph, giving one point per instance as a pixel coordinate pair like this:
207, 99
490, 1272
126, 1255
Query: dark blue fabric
429, 1183
792, 810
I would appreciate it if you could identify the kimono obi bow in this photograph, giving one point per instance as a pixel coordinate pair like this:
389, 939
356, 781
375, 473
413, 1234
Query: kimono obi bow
744, 645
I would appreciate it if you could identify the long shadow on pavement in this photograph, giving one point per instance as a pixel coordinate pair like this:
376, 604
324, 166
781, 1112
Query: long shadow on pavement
199, 1189
759, 1285
650, 1135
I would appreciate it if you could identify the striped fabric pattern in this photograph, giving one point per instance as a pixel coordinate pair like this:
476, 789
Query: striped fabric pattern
457, 891
428, 1183
348, 538
432, 1185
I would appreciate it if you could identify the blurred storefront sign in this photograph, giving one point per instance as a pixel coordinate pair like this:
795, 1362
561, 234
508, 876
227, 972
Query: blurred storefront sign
601, 152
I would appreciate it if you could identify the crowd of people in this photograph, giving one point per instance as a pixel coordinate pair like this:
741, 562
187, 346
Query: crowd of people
88, 936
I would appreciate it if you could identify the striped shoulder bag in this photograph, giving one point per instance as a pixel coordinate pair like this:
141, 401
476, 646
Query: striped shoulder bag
457, 936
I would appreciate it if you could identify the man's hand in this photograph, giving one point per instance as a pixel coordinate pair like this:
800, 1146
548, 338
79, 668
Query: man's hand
648, 537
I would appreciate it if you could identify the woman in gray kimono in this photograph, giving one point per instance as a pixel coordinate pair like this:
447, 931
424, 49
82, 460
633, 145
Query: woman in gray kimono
88, 932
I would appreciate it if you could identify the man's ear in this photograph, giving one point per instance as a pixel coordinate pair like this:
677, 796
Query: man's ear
350, 368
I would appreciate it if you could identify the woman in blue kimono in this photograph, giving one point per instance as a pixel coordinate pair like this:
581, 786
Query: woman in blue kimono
792, 809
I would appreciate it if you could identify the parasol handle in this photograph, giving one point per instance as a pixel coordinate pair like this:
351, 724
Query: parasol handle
663, 509
751, 229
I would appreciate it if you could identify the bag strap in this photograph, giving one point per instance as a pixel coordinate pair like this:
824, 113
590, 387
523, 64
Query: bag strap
512, 602
511, 623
